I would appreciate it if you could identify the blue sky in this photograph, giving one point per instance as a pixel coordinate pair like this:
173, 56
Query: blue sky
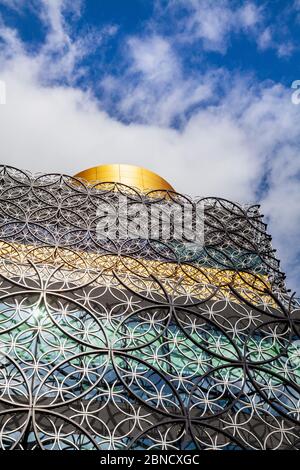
196, 90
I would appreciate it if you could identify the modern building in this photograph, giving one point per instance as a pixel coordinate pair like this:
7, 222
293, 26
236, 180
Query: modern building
140, 342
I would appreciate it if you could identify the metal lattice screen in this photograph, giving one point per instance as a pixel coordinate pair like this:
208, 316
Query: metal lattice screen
140, 344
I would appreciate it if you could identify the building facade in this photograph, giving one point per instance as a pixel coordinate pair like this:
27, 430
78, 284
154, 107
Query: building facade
140, 343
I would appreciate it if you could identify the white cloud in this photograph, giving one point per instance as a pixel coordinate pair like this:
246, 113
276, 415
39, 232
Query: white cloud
281, 204
265, 40
153, 87
210, 25
17, 5
62, 129
249, 15
10, 45
213, 22
60, 54
153, 58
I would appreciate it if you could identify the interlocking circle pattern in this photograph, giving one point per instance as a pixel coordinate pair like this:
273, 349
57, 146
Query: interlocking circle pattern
140, 344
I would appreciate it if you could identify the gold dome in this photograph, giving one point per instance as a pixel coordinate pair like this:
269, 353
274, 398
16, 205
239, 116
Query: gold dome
131, 175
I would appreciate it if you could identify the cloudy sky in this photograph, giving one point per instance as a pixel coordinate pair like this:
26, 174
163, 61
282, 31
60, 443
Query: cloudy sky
198, 91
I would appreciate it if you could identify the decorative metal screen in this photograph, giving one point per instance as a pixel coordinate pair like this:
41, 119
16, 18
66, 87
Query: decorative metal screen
140, 344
